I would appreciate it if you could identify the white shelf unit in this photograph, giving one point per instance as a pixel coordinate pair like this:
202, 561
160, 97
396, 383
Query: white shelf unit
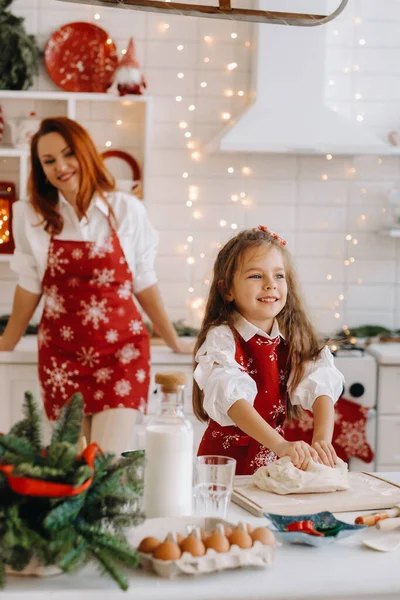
97, 112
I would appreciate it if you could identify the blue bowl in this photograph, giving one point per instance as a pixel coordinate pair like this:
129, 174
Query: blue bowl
320, 520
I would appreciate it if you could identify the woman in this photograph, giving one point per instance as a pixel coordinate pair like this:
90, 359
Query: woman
87, 249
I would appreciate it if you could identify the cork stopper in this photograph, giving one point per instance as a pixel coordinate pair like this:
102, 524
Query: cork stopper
170, 381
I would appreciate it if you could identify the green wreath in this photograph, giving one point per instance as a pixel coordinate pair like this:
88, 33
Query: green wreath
19, 52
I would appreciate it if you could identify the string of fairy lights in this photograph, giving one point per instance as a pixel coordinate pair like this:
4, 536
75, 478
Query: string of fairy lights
240, 196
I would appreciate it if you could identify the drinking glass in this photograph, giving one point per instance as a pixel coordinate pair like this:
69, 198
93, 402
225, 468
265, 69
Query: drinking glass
213, 483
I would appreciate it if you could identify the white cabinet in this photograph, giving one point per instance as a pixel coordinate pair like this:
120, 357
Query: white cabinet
16, 379
114, 122
389, 390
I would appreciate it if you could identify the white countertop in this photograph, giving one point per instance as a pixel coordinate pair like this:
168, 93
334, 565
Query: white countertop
26, 353
385, 354
343, 570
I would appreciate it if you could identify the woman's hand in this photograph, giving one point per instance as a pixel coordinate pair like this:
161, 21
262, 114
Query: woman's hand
326, 453
182, 347
300, 453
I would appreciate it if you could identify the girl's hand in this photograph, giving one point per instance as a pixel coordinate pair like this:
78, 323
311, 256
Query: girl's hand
326, 453
300, 453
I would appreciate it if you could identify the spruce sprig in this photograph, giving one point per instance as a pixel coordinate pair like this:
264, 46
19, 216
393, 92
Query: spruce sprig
74, 530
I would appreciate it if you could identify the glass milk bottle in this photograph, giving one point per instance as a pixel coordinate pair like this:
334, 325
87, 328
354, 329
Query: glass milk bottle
168, 476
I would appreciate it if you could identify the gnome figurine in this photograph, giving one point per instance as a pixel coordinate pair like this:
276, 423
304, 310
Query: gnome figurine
128, 76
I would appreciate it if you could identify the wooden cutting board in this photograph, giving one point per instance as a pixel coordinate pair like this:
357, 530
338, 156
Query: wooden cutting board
367, 492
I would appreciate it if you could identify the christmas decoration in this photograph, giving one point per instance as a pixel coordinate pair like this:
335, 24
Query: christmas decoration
7, 197
128, 76
61, 508
19, 52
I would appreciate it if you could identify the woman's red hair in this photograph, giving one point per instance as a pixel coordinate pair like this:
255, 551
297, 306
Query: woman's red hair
94, 176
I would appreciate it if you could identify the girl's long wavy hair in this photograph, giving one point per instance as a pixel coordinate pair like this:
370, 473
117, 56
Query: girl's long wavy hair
94, 177
293, 321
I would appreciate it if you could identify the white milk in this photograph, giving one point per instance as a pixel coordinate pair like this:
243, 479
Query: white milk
168, 476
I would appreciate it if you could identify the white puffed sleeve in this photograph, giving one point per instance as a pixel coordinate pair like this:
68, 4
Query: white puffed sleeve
321, 378
139, 240
220, 376
23, 261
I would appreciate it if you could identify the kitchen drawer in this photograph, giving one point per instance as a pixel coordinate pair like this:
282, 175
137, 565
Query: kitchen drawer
388, 390
388, 448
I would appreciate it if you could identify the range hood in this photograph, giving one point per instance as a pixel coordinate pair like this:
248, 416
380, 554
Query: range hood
290, 113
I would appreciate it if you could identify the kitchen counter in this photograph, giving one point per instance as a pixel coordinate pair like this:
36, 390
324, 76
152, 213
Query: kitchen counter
343, 570
26, 353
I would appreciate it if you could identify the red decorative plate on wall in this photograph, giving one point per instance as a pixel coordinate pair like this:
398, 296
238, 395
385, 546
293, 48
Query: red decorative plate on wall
81, 57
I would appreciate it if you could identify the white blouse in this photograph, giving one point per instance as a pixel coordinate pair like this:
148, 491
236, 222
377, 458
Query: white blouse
223, 382
137, 236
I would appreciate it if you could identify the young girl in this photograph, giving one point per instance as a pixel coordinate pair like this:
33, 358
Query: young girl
259, 360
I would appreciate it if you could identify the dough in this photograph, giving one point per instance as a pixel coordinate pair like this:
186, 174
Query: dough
282, 477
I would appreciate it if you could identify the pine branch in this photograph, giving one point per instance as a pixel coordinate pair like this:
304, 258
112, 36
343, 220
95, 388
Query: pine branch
61, 455
74, 559
69, 425
65, 513
11, 443
110, 568
29, 427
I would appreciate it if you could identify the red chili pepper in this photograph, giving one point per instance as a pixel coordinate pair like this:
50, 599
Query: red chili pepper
304, 527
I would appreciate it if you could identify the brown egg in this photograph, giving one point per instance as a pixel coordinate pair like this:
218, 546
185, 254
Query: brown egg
228, 530
263, 535
240, 537
167, 551
203, 534
217, 540
194, 546
148, 545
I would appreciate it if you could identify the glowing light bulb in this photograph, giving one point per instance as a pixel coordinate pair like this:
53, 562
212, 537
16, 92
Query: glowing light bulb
119, 122
206, 59
234, 36
196, 155
180, 75
190, 260
234, 197
324, 177
203, 84
231, 170
329, 157
185, 175
240, 93
234, 226
246, 170
360, 118
337, 315
341, 297
197, 214
178, 98
232, 66
190, 289
208, 39
190, 238
108, 144
222, 223
349, 237
96, 16
228, 93
189, 203
188, 134
357, 96
226, 116
329, 277
183, 124
192, 107
361, 42
180, 47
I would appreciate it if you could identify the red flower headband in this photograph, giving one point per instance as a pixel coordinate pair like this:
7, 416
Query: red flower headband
271, 233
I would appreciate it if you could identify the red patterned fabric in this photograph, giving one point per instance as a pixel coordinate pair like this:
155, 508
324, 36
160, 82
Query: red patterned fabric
265, 360
91, 336
349, 434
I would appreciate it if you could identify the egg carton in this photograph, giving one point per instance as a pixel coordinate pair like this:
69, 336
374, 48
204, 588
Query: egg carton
258, 555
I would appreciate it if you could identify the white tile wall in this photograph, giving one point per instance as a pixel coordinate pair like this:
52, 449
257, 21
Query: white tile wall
285, 192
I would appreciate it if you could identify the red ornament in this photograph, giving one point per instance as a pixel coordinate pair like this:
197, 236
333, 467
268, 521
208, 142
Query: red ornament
129, 76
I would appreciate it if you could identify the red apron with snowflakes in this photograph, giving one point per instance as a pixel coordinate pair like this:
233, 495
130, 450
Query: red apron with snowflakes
265, 360
91, 336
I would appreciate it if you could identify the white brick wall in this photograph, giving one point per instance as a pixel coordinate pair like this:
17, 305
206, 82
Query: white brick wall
285, 192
